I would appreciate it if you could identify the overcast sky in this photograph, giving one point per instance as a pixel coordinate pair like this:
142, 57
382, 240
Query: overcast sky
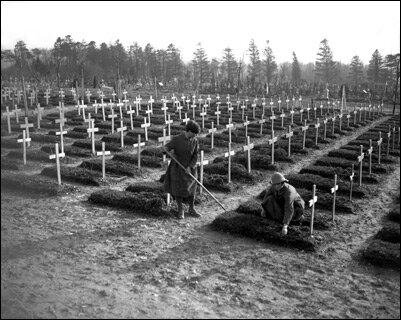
351, 27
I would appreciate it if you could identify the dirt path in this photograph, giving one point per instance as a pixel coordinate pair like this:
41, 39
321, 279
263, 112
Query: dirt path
64, 258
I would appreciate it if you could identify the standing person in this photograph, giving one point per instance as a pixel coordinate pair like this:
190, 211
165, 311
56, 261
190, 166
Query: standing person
177, 182
282, 202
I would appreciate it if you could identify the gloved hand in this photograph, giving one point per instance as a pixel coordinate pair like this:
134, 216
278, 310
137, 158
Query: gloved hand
263, 213
284, 230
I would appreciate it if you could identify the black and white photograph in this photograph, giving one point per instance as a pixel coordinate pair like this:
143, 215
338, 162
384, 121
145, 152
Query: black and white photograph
200, 159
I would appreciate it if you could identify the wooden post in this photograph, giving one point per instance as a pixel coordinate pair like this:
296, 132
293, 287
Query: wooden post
16, 112
92, 130
203, 114
122, 129
272, 141
282, 116
253, 110
351, 179
57, 156
27, 126
289, 135
8, 114
229, 126
103, 153
164, 108
168, 123
334, 123
243, 111
61, 133
148, 111
130, 112
301, 111
340, 117
145, 126
317, 125
24, 140
292, 114
307, 112
201, 164
379, 144
186, 119
119, 105
388, 141
139, 145
112, 116
217, 113
370, 150
312, 204
212, 131
304, 129
333, 191
325, 128
261, 122
246, 123
163, 140
229, 154
272, 118
360, 160
248, 148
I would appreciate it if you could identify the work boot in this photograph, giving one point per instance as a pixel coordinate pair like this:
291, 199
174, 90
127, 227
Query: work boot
193, 212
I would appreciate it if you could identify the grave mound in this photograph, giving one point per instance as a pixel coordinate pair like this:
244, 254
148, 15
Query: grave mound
390, 233
238, 172
262, 229
74, 174
147, 161
394, 213
34, 184
382, 253
31, 155
114, 167
143, 202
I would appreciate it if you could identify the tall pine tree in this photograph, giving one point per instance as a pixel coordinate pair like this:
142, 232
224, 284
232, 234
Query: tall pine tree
325, 69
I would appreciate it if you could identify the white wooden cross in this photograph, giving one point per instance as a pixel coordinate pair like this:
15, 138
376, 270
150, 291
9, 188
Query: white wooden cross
150, 101
317, 125
272, 141
130, 112
246, 123
360, 160
203, 114
96, 105
31, 98
200, 102
261, 122
193, 106
88, 95
139, 145
248, 148
304, 128
61, 133
229, 154
119, 105
325, 127
301, 111
272, 118
333, 191
201, 163
212, 131
208, 99
24, 140
83, 107
138, 104
312, 204
61, 94
238, 103
188, 101
279, 104
394, 135
102, 105
230, 109
351, 179
163, 140
307, 111
164, 108
19, 94
145, 126
122, 129
253, 110
8, 114
57, 156
388, 140
292, 114
114, 95
38, 111
46, 96
92, 130
355, 112
282, 116
125, 101
321, 109
243, 111
183, 100
111, 105
103, 153
112, 116
286, 101
289, 135
186, 119
217, 113
168, 123
379, 144
369, 151
148, 112
230, 126
27, 126
179, 108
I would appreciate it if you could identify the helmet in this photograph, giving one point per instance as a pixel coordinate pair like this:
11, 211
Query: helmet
277, 178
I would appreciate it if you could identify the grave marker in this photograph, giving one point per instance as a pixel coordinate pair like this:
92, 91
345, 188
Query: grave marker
168, 123
272, 141
24, 140
289, 135
145, 126
360, 160
163, 140
229, 154
186, 119
46, 96
333, 191
312, 204
119, 105
139, 145
246, 123
92, 131
229, 126
304, 128
370, 150
379, 144
261, 122
351, 179
57, 156
325, 128
103, 153
112, 116
26, 126
212, 131
248, 148
317, 125
272, 118
217, 113
8, 114
388, 141
201, 163
203, 114
122, 129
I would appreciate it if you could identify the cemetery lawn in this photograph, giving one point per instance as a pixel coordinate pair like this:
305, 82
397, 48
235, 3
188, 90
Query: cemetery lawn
63, 257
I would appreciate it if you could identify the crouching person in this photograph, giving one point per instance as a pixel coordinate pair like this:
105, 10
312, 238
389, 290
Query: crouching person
282, 203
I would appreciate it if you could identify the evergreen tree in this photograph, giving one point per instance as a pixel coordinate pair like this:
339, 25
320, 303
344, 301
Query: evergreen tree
376, 68
355, 75
325, 66
296, 70
200, 65
229, 69
270, 66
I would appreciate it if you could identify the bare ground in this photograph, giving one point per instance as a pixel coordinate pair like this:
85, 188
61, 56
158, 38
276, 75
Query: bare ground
63, 257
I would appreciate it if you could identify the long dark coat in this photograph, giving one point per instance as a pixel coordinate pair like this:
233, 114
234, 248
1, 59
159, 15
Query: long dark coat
176, 181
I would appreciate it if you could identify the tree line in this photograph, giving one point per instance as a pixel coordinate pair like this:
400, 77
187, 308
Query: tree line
82, 64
